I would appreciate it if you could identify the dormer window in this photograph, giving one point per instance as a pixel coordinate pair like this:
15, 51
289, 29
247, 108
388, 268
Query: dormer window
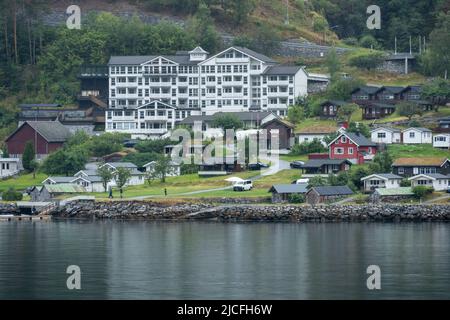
344, 139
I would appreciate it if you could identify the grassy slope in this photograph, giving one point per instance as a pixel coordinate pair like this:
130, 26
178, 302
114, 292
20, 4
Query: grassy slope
416, 151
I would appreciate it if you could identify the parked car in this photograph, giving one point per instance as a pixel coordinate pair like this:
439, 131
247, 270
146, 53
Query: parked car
301, 181
297, 164
244, 185
257, 166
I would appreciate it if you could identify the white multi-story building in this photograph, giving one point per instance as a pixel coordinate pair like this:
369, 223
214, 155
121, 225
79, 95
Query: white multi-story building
149, 95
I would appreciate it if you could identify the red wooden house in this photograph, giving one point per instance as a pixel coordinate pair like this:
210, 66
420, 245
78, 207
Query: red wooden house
46, 137
354, 147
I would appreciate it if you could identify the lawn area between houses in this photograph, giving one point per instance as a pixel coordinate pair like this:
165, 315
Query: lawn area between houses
22, 182
416, 151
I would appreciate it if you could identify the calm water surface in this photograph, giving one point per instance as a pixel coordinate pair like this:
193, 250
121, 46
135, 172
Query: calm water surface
206, 260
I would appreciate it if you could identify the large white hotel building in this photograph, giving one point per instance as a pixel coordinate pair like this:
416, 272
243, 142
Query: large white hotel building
149, 95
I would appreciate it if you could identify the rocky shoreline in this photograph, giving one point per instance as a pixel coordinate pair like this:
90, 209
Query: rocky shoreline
147, 210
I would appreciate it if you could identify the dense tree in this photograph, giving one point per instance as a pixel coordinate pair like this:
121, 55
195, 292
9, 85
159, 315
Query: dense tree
122, 176
28, 156
382, 163
226, 121
315, 146
341, 89
202, 29
359, 128
161, 169
295, 114
106, 175
366, 61
438, 92
332, 62
408, 109
65, 162
152, 146
346, 111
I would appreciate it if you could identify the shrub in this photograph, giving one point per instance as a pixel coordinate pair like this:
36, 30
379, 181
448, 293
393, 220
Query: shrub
367, 61
361, 199
421, 191
314, 146
296, 198
350, 41
12, 195
368, 41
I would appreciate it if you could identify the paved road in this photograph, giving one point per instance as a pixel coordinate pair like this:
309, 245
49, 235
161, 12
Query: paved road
273, 169
443, 197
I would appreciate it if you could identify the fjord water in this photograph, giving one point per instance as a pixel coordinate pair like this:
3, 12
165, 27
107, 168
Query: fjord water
208, 260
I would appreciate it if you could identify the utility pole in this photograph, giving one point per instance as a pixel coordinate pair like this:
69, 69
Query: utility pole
395, 45
420, 44
410, 45
287, 12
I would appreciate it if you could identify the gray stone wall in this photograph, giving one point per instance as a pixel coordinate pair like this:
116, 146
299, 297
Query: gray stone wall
276, 213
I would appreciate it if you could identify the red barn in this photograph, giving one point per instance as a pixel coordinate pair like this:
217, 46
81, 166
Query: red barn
354, 147
46, 136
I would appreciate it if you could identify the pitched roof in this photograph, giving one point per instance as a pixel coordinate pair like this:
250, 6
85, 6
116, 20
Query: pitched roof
359, 139
433, 176
242, 116
410, 162
332, 190
386, 129
89, 178
282, 121
368, 89
335, 102
418, 129
282, 70
386, 176
401, 191
51, 131
64, 188
394, 89
59, 179
317, 163
255, 54
122, 164
289, 188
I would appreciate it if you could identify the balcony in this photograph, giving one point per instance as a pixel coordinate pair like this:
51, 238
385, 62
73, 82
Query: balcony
93, 71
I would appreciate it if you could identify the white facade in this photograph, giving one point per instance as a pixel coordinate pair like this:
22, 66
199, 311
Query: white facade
386, 135
417, 136
175, 170
437, 181
307, 137
376, 181
136, 178
9, 167
234, 80
441, 141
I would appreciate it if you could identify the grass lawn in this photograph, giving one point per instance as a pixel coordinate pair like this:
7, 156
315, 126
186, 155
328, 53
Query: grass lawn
416, 151
22, 182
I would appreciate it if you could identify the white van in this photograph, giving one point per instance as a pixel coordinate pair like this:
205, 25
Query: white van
244, 185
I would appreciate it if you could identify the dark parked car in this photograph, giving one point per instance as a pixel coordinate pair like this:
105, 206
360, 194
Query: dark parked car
257, 166
297, 164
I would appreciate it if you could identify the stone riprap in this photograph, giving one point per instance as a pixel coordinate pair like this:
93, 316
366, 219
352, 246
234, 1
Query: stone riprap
8, 208
236, 212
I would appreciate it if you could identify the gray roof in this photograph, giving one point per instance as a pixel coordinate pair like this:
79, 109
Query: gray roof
137, 60
90, 178
317, 163
122, 164
382, 105
360, 140
419, 129
289, 188
39, 105
282, 70
383, 175
243, 116
333, 190
394, 89
435, 175
386, 128
89, 172
255, 54
52, 131
60, 179
368, 89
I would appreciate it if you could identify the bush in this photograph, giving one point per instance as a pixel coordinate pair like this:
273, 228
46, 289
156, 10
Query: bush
361, 199
366, 61
350, 41
421, 191
12, 195
314, 146
369, 41
296, 198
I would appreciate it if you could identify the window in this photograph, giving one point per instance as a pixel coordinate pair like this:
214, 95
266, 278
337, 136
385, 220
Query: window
339, 151
350, 150
344, 139
401, 170
412, 135
381, 135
